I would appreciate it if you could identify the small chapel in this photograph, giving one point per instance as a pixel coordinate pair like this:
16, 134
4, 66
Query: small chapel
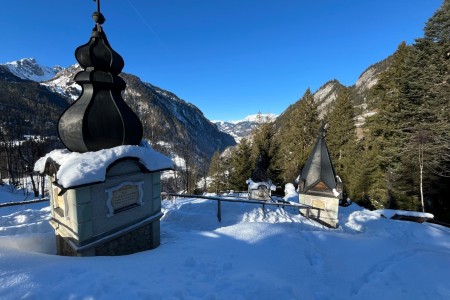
318, 185
260, 185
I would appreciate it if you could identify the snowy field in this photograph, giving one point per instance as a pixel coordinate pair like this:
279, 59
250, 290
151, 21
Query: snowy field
246, 256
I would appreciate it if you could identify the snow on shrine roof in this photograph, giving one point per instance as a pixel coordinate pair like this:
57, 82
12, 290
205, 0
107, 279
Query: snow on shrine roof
77, 169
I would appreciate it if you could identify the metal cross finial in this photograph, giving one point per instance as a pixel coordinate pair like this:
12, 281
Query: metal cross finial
98, 5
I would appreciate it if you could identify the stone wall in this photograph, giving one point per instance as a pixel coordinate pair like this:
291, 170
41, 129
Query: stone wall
326, 208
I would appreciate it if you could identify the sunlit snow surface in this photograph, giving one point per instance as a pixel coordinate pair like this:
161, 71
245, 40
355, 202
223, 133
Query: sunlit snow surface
249, 255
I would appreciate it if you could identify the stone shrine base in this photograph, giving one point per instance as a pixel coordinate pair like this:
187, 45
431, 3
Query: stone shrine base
144, 236
324, 209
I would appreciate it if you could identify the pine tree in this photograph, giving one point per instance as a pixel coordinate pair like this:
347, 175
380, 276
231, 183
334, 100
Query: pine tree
266, 146
427, 85
297, 135
387, 137
437, 28
341, 136
241, 165
409, 137
217, 173
356, 183
289, 139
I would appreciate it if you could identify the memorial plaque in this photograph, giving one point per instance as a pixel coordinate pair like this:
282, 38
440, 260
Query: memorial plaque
124, 196
318, 204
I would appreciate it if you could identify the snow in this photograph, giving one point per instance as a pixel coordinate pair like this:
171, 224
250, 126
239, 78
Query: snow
179, 161
249, 255
83, 168
28, 68
290, 193
360, 120
389, 213
259, 118
369, 114
336, 193
256, 118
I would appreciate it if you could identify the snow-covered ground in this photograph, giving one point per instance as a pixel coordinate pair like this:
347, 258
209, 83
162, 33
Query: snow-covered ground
247, 256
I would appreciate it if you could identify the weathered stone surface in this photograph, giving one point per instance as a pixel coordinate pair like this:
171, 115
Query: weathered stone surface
137, 240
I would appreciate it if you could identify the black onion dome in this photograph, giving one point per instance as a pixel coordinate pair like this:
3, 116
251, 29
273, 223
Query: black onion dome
99, 118
98, 54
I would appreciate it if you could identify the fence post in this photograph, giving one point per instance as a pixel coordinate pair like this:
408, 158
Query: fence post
219, 211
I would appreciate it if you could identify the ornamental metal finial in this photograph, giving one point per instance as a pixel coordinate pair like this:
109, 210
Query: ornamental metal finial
99, 118
98, 5
97, 15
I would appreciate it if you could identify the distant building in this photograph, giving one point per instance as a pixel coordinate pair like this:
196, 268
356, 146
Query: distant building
260, 186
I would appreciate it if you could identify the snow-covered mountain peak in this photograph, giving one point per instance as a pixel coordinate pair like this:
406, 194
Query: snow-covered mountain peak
256, 118
28, 68
260, 118
243, 128
63, 83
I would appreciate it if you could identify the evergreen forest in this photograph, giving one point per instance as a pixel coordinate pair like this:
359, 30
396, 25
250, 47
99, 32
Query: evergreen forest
400, 158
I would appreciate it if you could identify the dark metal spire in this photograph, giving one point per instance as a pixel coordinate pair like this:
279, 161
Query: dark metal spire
99, 118
98, 5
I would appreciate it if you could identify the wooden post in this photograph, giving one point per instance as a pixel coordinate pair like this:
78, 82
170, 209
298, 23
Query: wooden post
219, 211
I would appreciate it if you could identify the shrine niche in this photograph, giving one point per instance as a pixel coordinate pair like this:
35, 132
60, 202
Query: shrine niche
105, 190
260, 186
318, 184
119, 215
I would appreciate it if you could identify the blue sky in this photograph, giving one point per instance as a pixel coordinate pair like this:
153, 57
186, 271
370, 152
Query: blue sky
229, 58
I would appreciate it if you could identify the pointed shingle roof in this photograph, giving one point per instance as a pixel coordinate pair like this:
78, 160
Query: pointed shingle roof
318, 167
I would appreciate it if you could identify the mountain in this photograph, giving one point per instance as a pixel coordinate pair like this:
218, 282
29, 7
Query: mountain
173, 125
28, 68
63, 84
26, 107
360, 92
326, 95
169, 122
172, 122
366, 81
243, 128
6, 75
